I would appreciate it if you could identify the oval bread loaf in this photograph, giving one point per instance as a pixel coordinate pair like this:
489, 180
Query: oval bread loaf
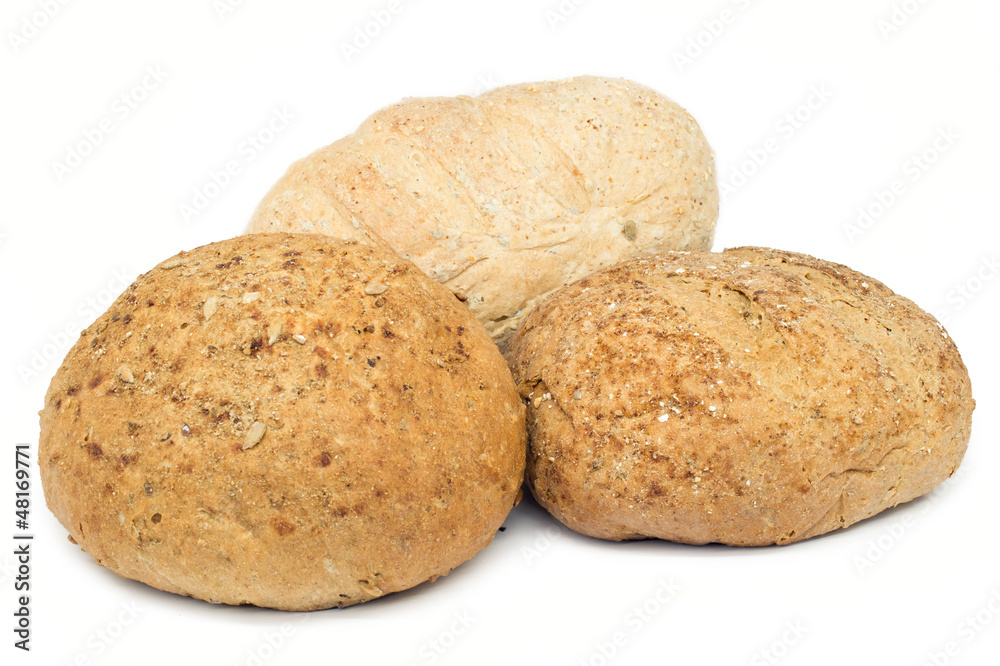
283, 420
748, 397
507, 196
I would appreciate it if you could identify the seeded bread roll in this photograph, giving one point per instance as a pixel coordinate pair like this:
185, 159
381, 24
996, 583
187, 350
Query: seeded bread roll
748, 397
507, 196
283, 420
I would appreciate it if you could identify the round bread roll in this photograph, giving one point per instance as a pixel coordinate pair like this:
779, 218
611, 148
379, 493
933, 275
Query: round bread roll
283, 420
507, 196
748, 397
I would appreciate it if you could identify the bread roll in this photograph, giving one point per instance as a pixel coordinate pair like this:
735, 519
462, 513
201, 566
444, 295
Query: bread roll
748, 397
507, 196
283, 420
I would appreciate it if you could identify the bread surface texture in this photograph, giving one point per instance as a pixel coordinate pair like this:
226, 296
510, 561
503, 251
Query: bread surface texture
748, 397
283, 420
507, 196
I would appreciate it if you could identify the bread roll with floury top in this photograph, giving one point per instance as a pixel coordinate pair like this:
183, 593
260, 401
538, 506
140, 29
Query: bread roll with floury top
510, 195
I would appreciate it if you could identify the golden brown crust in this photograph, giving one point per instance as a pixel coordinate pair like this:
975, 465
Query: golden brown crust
510, 195
747, 397
283, 420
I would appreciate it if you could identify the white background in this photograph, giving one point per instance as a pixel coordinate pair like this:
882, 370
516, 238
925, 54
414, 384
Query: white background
892, 590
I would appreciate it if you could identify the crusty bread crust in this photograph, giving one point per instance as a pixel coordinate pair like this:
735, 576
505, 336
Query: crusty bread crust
748, 397
507, 196
283, 420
